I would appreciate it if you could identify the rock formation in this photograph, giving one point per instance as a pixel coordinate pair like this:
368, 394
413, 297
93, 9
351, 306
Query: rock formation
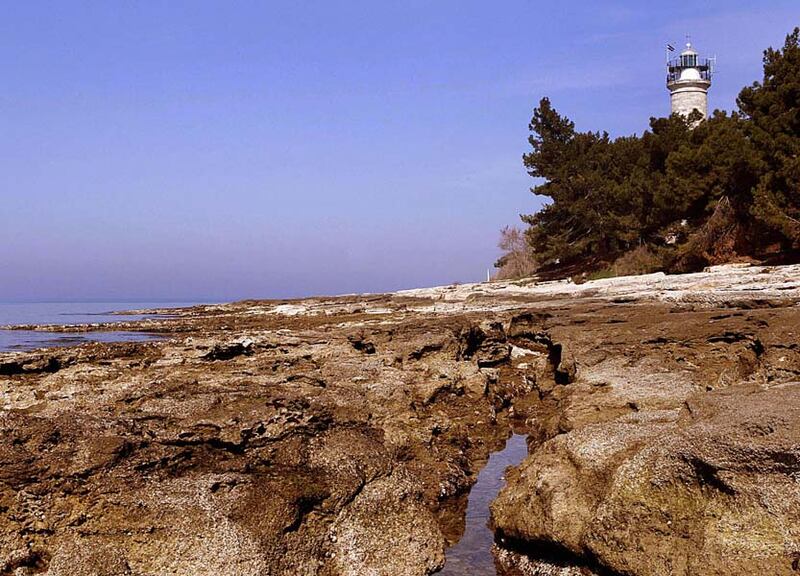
340, 436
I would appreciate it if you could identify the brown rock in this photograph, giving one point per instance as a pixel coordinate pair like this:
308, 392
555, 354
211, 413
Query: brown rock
711, 491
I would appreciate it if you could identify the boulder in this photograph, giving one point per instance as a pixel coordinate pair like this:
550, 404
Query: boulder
712, 489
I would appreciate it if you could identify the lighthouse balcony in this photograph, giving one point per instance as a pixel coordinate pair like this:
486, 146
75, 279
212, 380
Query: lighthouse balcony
700, 70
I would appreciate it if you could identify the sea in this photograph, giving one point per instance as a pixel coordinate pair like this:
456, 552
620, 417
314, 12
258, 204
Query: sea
48, 313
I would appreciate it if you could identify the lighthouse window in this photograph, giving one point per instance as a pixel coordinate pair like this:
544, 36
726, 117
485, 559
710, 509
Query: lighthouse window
689, 60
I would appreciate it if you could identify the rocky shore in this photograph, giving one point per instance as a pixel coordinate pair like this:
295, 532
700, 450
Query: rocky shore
340, 436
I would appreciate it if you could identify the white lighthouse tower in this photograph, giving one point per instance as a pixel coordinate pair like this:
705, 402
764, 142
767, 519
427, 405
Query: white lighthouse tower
688, 81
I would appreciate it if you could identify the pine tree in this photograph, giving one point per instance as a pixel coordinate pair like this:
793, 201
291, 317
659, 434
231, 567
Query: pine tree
718, 160
673, 190
772, 107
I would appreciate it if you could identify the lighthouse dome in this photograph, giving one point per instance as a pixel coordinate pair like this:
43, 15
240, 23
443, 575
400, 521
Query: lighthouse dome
690, 74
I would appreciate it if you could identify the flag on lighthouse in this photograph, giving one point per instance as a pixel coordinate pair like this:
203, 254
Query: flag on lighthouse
670, 47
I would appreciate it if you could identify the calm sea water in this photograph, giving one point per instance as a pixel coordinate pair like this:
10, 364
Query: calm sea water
70, 313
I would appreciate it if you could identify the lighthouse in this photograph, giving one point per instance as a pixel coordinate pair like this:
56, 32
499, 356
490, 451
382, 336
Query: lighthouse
688, 81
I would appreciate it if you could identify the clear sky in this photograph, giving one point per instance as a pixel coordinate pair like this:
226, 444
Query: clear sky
222, 150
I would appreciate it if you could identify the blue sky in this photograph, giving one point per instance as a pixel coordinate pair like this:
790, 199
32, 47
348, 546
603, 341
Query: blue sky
223, 150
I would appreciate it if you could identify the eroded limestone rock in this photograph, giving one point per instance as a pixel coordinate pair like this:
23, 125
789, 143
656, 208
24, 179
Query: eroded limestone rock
711, 489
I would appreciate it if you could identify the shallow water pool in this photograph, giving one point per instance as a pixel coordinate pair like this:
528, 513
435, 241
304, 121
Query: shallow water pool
472, 554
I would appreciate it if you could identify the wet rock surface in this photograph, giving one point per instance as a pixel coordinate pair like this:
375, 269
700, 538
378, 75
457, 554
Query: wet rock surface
340, 436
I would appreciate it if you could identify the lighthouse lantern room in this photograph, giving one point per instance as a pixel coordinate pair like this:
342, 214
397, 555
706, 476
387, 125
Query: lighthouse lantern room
688, 81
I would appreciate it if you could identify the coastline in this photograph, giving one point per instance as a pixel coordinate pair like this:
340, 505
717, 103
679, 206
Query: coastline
341, 435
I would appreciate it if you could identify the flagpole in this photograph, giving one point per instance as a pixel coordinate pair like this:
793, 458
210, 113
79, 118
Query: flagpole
670, 48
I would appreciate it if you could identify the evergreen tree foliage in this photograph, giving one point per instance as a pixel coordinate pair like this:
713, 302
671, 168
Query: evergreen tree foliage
772, 107
587, 176
657, 193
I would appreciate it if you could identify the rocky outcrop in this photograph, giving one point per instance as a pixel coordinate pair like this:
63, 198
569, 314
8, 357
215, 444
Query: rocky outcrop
710, 490
340, 436
737, 285
716, 493
680, 457
320, 450
32, 364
